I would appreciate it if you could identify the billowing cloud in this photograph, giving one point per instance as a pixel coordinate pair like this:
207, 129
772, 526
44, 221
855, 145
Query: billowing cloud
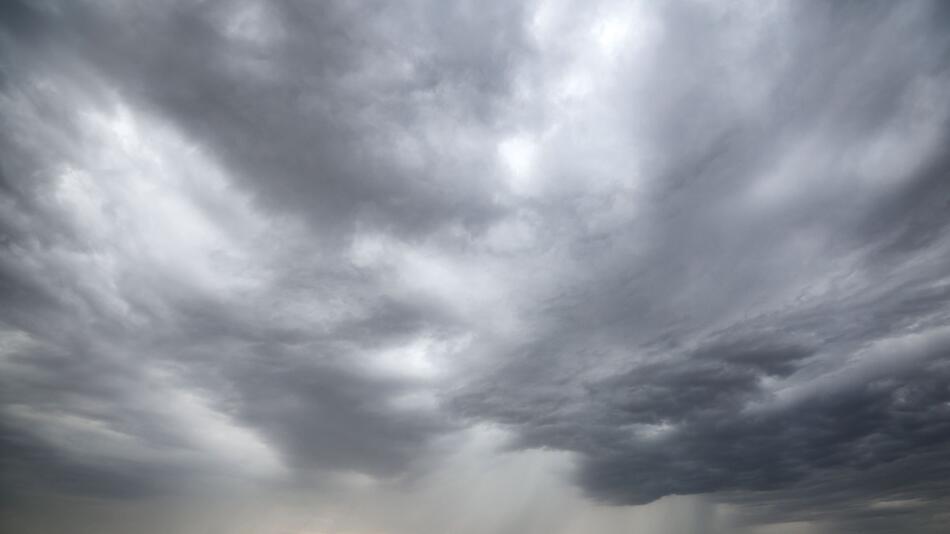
684, 253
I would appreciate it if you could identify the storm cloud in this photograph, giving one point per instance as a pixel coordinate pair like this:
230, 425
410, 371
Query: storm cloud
689, 253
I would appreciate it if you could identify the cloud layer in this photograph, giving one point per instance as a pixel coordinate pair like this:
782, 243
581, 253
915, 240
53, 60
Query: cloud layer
701, 249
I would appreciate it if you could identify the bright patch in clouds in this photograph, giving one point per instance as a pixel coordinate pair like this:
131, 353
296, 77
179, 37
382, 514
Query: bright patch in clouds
519, 155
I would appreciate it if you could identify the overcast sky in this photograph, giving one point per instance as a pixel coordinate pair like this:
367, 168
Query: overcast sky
479, 267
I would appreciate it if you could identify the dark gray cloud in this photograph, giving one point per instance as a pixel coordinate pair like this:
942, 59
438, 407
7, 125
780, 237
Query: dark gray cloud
701, 248
672, 353
320, 107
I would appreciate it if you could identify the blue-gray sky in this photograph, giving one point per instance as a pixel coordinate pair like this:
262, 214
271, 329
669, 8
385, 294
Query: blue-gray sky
477, 267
